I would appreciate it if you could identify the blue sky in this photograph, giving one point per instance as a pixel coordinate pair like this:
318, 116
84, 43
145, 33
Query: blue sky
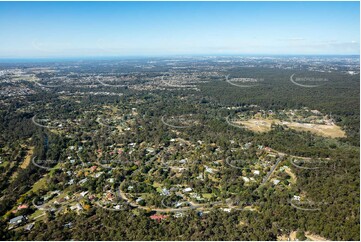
80, 29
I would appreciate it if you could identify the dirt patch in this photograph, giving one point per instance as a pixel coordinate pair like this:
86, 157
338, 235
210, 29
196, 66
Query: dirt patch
282, 238
292, 175
293, 235
264, 125
315, 237
27, 160
242, 223
25, 163
287, 237
256, 125
332, 131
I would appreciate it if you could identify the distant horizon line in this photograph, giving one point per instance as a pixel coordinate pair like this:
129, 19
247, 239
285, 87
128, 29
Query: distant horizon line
168, 56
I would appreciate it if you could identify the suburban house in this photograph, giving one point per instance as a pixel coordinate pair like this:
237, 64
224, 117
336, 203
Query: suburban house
17, 220
158, 217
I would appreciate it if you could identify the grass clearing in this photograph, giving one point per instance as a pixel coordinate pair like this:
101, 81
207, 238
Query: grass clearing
40, 184
156, 184
36, 214
4, 163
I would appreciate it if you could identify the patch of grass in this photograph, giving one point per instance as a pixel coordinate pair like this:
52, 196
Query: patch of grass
40, 184
207, 195
4, 163
35, 214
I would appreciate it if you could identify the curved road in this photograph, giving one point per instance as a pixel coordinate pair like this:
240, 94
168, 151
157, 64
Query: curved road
237, 85
301, 85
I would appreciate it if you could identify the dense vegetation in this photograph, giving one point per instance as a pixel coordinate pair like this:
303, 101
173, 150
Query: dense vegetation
335, 188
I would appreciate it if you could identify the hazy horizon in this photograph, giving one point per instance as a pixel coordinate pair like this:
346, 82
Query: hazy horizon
108, 29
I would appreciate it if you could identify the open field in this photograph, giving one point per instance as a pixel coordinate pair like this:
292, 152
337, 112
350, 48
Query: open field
292, 237
315, 237
27, 158
332, 131
256, 125
25, 163
264, 125
292, 175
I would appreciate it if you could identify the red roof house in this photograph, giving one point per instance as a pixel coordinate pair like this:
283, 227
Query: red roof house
158, 217
23, 206
93, 168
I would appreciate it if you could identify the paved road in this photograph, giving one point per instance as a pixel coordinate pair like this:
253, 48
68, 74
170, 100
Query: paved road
304, 209
165, 210
174, 126
272, 170
303, 167
234, 125
301, 85
109, 85
237, 85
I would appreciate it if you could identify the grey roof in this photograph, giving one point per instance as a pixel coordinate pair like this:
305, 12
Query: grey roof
16, 219
29, 226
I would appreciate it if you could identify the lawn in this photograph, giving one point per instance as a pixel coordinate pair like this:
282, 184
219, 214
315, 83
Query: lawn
207, 195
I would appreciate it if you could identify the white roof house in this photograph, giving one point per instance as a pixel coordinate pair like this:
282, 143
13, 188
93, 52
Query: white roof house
84, 193
256, 172
188, 189
165, 192
83, 181
228, 210
208, 169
